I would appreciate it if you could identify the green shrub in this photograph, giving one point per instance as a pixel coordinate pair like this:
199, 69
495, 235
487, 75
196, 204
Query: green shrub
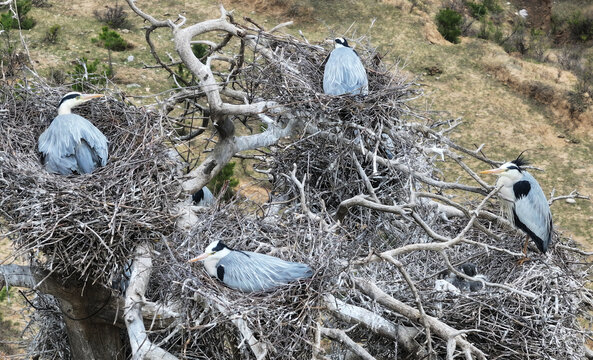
492, 6
3, 293
581, 26
25, 22
449, 24
111, 40
51, 35
6, 21
200, 50
478, 11
225, 176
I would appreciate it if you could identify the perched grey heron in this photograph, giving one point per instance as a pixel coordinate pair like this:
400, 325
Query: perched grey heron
524, 202
248, 271
71, 144
344, 72
203, 197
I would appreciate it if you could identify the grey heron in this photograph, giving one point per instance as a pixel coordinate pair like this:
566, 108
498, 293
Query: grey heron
203, 197
249, 271
344, 72
71, 144
524, 202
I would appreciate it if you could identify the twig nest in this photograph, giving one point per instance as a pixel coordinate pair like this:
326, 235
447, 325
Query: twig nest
83, 224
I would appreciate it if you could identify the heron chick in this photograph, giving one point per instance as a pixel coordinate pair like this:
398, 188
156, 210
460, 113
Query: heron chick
248, 271
524, 202
344, 72
71, 144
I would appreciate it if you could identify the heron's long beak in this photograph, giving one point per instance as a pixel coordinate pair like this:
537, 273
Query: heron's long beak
88, 97
199, 258
493, 171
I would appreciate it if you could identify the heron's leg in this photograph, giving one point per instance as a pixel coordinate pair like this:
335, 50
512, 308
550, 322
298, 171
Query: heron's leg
524, 258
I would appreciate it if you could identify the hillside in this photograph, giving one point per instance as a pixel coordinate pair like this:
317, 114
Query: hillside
508, 102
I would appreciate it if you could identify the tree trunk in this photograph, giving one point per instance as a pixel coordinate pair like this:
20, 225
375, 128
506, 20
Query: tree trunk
91, 336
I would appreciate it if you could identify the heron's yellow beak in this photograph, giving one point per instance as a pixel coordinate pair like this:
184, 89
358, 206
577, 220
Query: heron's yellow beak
493, 171
88, 97
199, 258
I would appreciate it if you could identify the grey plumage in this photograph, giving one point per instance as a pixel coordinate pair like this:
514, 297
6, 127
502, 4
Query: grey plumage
249, 271
524, 202
203, 197
533, 214
344, 72
71, 144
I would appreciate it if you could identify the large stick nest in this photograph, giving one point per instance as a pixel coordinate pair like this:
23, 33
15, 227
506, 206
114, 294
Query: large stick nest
349, 134
87, 225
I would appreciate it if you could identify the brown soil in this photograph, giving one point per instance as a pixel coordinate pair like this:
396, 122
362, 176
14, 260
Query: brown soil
539, 12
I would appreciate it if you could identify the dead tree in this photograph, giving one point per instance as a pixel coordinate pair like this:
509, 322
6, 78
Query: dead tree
355, 192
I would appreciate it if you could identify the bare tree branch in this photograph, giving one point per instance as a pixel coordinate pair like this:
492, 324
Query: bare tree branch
142, 347
439, 328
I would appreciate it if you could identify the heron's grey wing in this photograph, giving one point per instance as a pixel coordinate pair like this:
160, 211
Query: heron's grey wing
249, 271
208, 198
344, 73
533, 211
60, 142
86, 158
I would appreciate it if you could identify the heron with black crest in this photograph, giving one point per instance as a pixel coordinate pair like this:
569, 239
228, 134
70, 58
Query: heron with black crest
249, 271
71, 144
524, 202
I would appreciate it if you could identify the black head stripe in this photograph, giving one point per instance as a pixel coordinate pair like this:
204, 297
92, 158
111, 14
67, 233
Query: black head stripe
342, 41
68, 97
219, 246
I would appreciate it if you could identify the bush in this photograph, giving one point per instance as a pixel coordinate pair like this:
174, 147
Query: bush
492, 6
478, 11
115, 17
449, 24
24, 22
111, 40
581, 26
51, 35
220, 181
200, 50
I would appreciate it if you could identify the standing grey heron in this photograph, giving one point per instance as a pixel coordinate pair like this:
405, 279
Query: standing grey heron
203, 197
71, 144
524, 202
344, 72
248, 271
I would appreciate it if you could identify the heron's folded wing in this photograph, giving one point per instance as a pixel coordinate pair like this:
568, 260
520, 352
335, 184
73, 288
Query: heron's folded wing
250, 271
534, 212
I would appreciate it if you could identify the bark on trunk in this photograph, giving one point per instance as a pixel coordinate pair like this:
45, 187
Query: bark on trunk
91, 336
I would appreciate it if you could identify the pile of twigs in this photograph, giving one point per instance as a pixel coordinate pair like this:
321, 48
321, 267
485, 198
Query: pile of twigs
83, 225
348, 146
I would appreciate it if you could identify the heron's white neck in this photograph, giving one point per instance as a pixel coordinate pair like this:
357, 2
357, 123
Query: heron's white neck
339, 45
65, 108
211, 261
